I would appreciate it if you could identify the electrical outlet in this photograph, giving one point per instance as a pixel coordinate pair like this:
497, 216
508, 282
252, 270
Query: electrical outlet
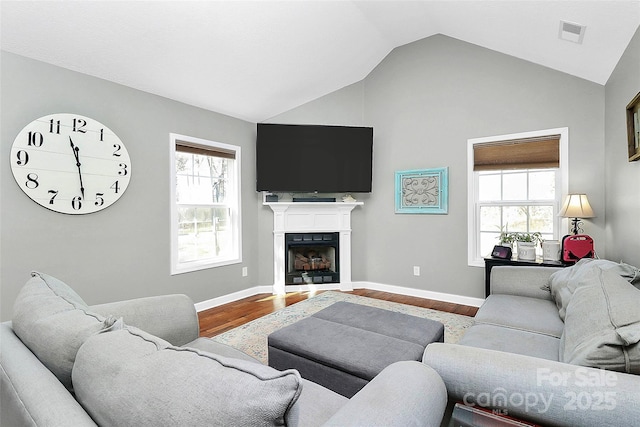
245, 271
416, 270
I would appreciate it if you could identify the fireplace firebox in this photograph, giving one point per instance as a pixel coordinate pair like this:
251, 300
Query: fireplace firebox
312, 258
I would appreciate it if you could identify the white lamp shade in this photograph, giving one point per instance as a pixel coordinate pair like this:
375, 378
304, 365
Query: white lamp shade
576, 206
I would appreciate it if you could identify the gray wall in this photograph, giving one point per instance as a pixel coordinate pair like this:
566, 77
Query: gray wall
622, 177
123, 251
425, 99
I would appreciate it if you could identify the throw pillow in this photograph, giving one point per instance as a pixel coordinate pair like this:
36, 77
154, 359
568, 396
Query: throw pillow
563, 283
602, 324
129, 377
53, 322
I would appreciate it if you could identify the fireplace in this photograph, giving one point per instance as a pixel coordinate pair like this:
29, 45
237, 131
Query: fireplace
314, 219
312, 258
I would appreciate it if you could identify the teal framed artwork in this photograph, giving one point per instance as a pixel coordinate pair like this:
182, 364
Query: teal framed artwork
423, 191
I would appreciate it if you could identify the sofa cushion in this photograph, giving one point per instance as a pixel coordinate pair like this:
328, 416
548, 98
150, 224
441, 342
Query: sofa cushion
563, 283
125, 376
602, 324
510, 340
53, 322
524, 313
317, 404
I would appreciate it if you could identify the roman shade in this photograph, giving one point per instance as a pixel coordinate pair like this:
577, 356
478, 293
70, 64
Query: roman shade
183, 147
528, 153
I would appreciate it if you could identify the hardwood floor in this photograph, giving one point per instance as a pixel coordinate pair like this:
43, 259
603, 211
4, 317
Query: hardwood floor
225, 317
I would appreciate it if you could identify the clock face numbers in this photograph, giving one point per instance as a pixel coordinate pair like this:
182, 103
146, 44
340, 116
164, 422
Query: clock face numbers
70, 163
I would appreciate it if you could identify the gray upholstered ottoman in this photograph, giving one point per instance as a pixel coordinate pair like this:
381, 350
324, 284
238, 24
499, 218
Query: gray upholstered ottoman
345, 345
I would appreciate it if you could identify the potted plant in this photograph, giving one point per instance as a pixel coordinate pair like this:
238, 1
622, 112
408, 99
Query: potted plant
507, 238
527, 243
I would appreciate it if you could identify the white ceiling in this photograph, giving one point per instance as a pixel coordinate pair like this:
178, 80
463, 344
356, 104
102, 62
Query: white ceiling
256, 59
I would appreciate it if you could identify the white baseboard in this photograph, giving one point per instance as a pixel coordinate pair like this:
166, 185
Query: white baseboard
438, 296
420, 293
225, 299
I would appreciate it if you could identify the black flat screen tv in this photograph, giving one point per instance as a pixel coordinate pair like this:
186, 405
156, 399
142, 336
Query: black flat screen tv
313, 158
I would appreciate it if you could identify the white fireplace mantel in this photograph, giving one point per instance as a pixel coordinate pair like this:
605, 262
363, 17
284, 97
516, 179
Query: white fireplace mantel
308, 217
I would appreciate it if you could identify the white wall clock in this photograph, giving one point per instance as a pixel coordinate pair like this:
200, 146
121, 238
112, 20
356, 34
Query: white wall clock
70, 163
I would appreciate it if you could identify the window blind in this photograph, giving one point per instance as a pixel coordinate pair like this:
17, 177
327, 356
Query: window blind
209, 151
528, 153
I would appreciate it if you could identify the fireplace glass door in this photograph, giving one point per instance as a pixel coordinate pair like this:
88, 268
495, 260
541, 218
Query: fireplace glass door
312, 258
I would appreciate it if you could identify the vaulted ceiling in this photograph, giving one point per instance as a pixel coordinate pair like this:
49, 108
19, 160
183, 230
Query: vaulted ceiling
256, 59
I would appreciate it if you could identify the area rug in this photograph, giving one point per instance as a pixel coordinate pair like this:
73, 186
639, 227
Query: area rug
251, 337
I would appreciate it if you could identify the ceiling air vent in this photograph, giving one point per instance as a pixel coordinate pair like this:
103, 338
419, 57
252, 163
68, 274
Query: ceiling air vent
571, 31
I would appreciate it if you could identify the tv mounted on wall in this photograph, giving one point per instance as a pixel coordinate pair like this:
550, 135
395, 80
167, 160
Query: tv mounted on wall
313, 158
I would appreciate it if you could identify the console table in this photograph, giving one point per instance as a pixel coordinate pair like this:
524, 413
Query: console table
491, 262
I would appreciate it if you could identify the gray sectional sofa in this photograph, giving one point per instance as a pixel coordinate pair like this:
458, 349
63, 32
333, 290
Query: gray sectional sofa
141, 363
540, 342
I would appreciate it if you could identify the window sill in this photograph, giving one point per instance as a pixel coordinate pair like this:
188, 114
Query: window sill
476, 263
200, 265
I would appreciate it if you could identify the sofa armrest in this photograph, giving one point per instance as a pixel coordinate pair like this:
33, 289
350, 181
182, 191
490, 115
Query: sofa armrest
404, 394
170, 317
521, 280
30, 395
539, 390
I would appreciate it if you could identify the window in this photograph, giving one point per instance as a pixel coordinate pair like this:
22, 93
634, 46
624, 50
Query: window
205, 208
515, 183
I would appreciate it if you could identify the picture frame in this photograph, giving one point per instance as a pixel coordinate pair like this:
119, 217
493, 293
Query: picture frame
633, 128
422, 191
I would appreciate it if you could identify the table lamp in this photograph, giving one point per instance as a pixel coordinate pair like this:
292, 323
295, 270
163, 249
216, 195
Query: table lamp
576, 206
